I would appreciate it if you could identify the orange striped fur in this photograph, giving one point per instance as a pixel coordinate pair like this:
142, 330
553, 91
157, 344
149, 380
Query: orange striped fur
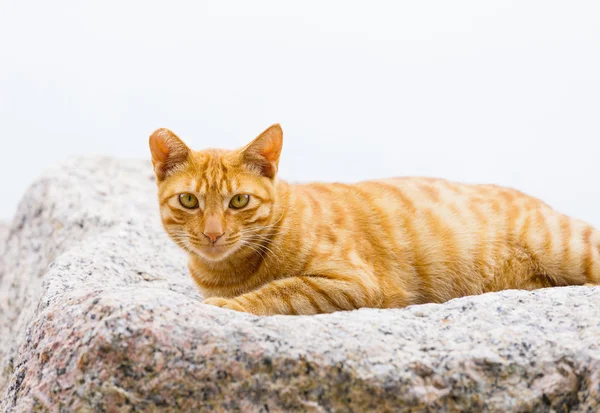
323, 247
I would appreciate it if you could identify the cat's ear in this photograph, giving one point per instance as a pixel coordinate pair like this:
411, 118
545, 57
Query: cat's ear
262, 154
167, 150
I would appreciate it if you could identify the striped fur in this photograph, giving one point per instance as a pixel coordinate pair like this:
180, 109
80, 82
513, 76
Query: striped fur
324, 247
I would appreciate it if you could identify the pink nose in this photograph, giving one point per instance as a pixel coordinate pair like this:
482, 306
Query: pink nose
213, 236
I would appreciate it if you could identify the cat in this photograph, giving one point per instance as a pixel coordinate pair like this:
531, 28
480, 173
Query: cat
260, 245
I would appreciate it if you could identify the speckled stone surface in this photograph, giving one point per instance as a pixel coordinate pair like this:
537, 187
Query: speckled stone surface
4, 228
98, 313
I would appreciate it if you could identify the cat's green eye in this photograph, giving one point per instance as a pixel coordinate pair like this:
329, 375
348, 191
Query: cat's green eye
188, 201
239, 201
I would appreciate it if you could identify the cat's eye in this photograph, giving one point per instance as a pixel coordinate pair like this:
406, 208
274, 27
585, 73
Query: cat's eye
188, 201
239, 201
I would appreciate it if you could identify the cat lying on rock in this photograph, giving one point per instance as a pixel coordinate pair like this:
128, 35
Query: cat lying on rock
261, 245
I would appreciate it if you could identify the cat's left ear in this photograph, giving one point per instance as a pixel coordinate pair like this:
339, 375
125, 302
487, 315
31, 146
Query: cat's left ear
262, 154
167, 150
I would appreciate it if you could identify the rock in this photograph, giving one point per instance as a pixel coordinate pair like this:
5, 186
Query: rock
98, 313
4, 229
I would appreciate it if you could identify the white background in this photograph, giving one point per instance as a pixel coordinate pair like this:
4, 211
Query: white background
506, 92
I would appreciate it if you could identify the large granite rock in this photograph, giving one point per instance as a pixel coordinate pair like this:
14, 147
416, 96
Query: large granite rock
4, 228
98, 313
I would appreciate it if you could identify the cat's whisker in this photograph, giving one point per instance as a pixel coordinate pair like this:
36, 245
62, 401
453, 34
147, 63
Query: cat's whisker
253, 247
269, 235
262, 242
262, 246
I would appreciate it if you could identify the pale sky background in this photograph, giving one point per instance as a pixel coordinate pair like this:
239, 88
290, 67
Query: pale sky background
506, 92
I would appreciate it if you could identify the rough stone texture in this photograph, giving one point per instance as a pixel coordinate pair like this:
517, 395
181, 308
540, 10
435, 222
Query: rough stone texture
97, 313
4, 228
3, 231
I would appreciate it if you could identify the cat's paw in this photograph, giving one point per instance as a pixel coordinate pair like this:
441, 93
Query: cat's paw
224, 303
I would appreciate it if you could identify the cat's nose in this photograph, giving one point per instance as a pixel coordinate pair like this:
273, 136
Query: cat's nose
213, 228
213, 236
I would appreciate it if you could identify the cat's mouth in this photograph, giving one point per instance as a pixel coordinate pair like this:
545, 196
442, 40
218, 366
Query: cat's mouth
215, 249
214, 252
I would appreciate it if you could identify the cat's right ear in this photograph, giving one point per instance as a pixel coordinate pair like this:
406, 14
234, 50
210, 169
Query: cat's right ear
167, 150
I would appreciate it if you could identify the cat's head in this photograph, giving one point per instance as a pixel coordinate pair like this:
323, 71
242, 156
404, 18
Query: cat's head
216, 202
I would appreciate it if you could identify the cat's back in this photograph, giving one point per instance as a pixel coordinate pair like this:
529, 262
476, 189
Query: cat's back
445, 206
440, 212
438, 191
416, 193
447, 239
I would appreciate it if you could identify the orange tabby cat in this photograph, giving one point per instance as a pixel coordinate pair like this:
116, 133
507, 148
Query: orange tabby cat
261, 245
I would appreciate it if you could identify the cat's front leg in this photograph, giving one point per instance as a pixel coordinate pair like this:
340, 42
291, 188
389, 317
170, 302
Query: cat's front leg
304, 295
229, 303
